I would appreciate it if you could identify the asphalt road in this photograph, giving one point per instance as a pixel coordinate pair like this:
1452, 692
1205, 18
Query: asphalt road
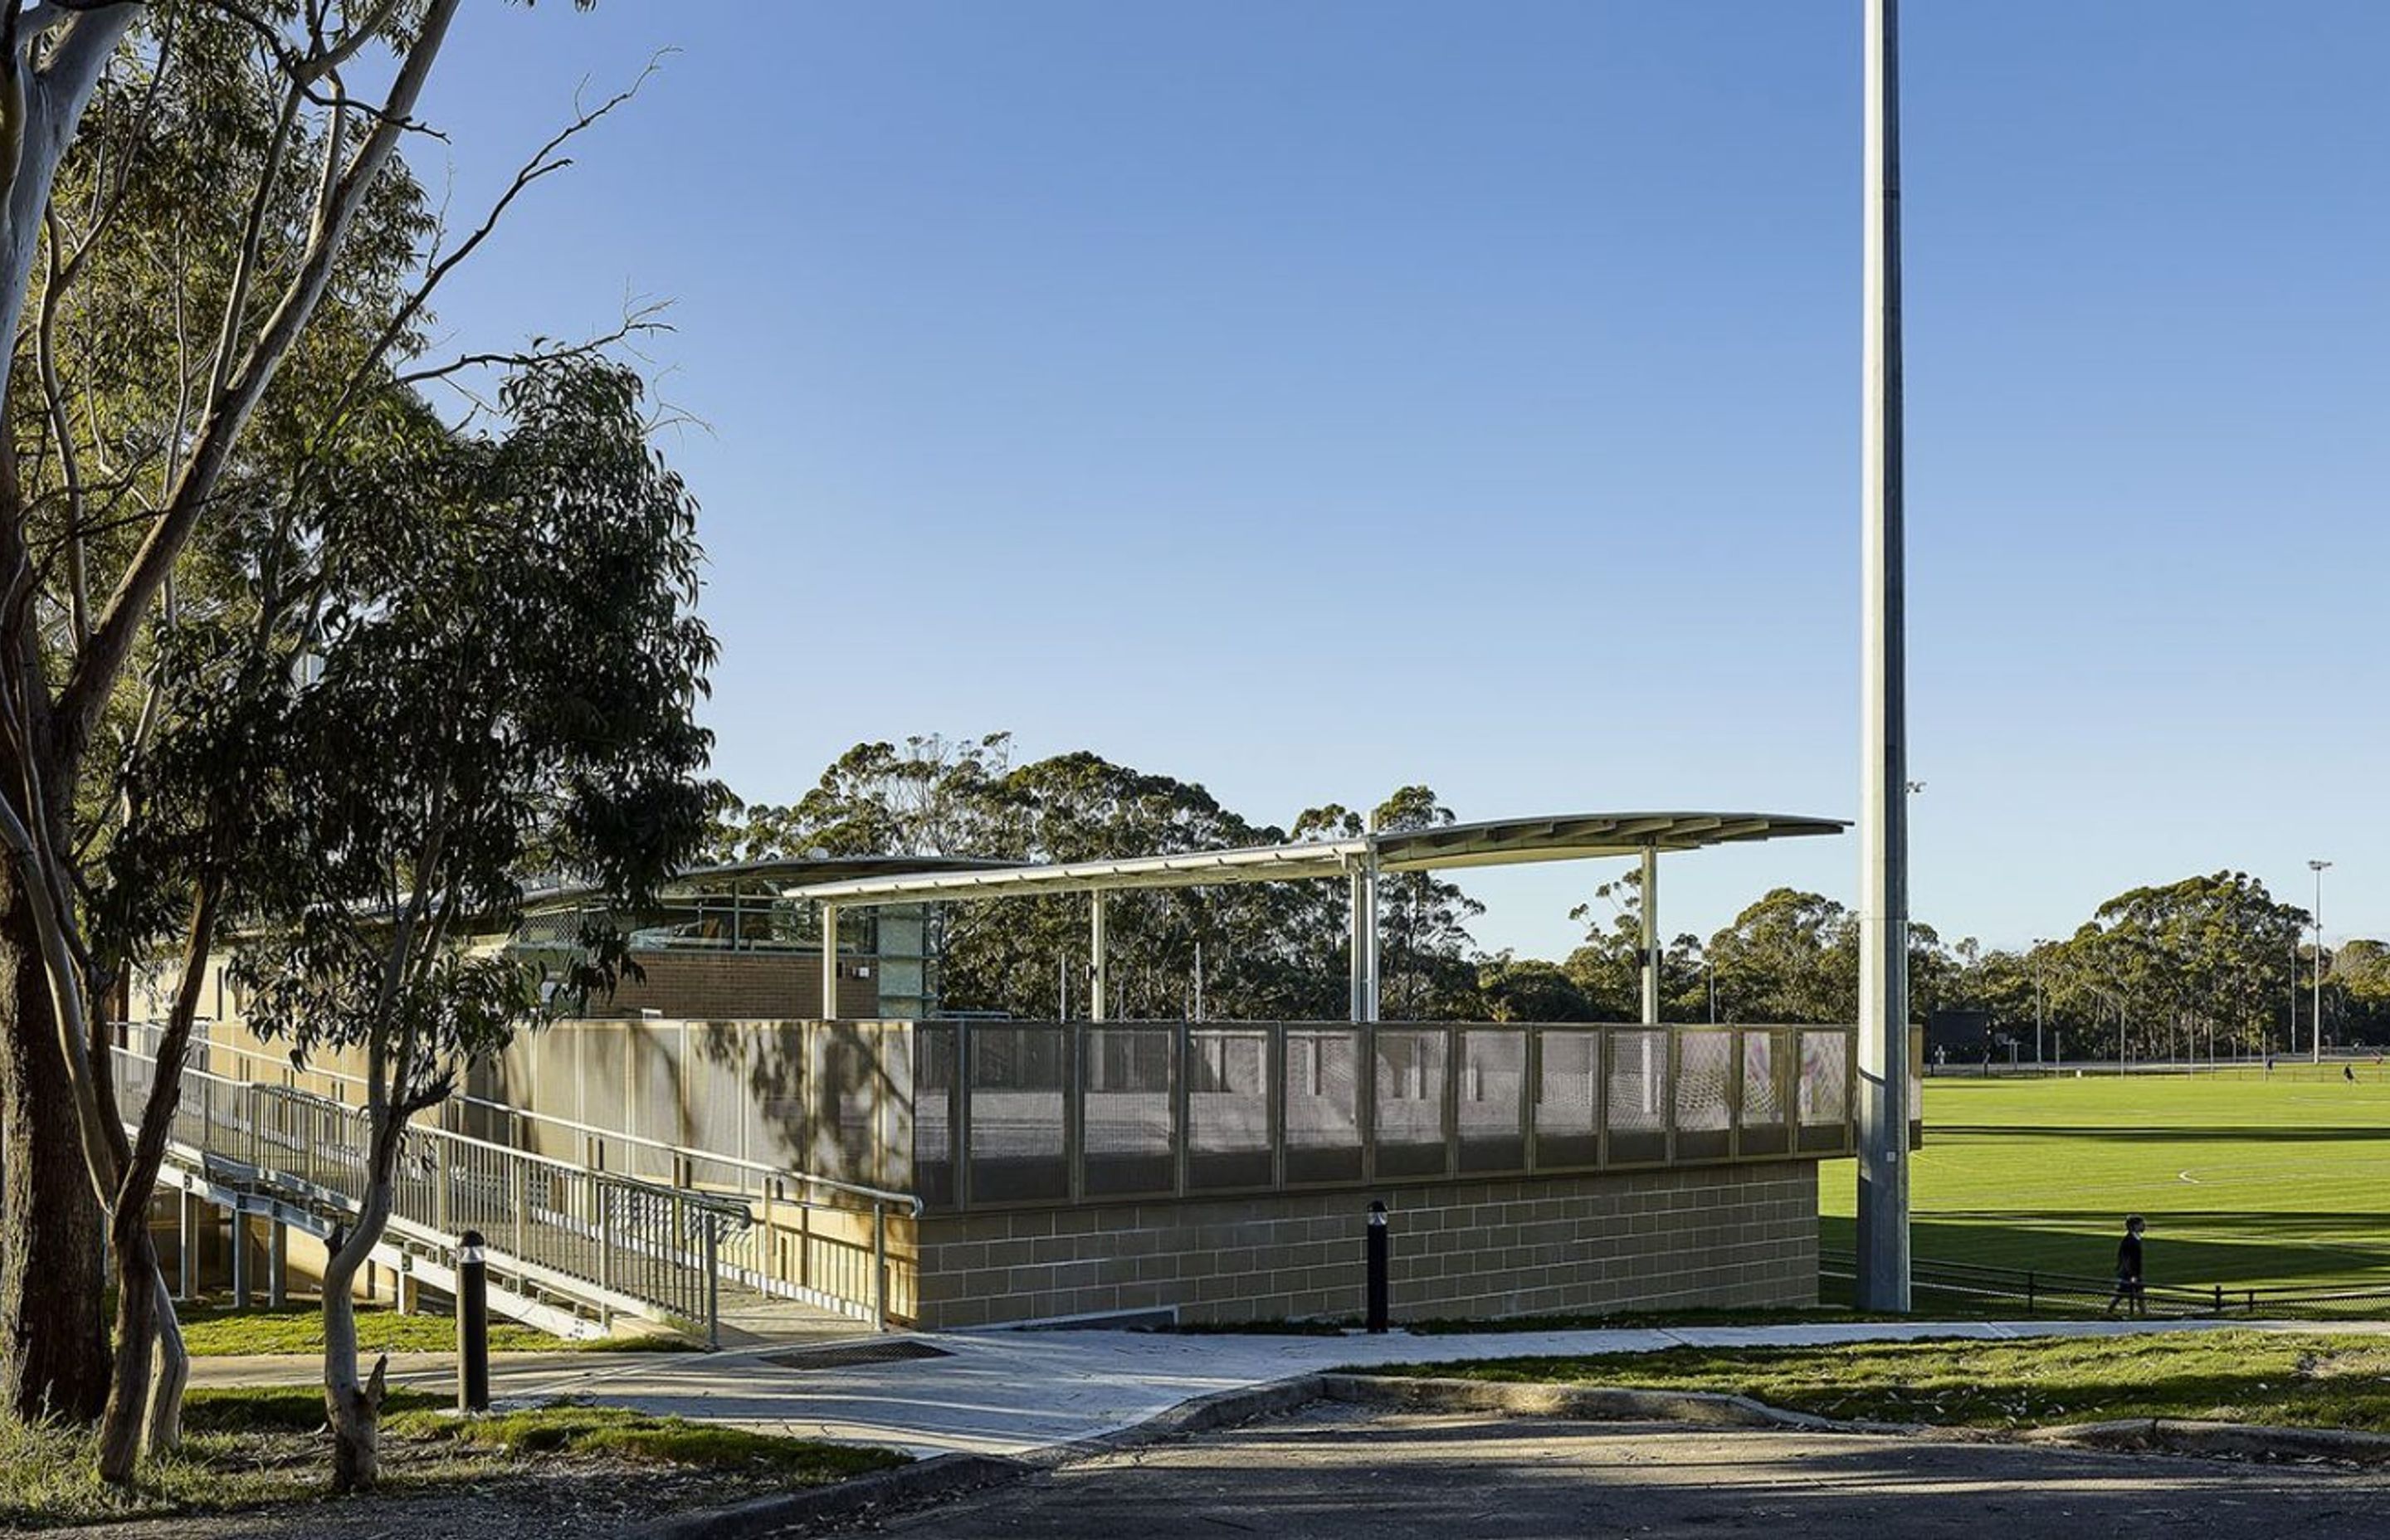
1347, 1474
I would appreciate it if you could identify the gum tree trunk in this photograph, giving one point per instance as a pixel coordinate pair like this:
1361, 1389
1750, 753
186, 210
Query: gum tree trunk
138, 1292
166, 1430
54, 1358
353, 1408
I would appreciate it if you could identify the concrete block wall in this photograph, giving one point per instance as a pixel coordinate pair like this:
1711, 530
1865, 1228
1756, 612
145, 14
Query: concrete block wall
1715, 1235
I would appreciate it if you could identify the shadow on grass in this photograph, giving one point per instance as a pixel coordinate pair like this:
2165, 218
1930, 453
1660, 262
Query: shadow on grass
2194, 1248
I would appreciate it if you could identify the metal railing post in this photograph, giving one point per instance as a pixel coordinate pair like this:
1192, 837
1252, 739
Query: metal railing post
879, 1265
605, 1228
713, 1282
1453, 1050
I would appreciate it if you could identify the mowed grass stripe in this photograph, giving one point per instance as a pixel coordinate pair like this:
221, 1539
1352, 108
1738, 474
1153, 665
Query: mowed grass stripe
2245, 1178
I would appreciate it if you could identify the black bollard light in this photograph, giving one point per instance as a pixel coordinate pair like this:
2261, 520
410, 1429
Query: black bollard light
472, 1326
1377, 1265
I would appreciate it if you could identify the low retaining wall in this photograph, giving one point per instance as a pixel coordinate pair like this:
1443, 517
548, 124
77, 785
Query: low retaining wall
1739, 1235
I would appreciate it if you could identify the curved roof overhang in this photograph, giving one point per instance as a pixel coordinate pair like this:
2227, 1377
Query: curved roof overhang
1497, 842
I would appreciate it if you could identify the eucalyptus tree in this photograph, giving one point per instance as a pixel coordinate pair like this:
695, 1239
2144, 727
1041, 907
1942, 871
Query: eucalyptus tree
212, 261
504, 629
1424, 922
1609, 966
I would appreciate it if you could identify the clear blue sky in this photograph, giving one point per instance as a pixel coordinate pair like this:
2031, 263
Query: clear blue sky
1306, 400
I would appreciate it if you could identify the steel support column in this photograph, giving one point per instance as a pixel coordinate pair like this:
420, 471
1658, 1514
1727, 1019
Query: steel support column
829, 962
1882, 1271
237, 1228
1100, 977
1365, 941
1650, 910
186, 1247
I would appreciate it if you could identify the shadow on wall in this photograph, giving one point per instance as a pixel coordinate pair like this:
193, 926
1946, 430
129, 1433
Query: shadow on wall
828, 1100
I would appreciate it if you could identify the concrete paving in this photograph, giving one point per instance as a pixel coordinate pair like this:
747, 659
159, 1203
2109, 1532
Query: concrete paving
1018, 1393
1340, 1473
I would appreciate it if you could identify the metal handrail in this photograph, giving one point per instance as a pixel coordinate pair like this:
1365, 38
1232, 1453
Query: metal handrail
620, 1239
911, 1201
757, 1259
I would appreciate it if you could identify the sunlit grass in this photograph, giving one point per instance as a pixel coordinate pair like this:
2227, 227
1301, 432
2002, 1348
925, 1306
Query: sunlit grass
2280, 1379
213, 1330
2245, 1179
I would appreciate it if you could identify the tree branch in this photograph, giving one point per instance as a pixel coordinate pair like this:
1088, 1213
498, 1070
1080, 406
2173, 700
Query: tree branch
97, 669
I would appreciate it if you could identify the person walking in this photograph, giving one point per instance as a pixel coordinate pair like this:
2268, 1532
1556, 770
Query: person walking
2129, 1270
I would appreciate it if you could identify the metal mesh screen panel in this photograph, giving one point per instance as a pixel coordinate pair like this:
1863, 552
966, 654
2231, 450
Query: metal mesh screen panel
1410, 1114
602, 1057
1760, 1122
1705, 1066
652, 1081
893, 1140
1227, 1108
553, 1059
1568, 1099
935, 1066
1824, 1098
1323, 1104
1017, 1076
716, 1091
1127, 1111
1493, 1082
848, 1085
1636, 1103
776, 1075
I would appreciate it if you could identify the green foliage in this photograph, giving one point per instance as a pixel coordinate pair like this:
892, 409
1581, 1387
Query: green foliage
2277, 1379
1529, 989
506, 623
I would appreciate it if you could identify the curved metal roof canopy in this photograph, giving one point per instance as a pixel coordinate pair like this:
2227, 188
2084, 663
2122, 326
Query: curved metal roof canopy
1497, 842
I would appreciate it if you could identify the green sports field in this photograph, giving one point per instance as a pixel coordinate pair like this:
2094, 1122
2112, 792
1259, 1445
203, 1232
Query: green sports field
2245, 1179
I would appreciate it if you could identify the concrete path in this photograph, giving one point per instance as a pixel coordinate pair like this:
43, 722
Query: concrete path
1015, 1392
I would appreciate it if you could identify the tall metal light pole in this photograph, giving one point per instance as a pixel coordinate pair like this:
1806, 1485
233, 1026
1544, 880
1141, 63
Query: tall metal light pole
2316, 1028
2039, 1063
1882, 1281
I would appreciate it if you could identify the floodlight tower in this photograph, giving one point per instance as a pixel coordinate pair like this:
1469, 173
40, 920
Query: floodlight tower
1882, 1271
2316, 1028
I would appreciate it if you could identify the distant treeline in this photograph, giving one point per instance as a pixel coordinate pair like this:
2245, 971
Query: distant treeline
2211, 959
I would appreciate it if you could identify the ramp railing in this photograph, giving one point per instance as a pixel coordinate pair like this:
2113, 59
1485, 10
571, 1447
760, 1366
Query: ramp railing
812, 1238
611, 1241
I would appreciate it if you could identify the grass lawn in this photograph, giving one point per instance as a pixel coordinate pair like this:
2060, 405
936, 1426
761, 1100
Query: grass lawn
2245, 1179
264, 1447
2285, 1381
217, 1330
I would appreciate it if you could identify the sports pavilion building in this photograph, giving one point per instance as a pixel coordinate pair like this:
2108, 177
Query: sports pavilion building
1197, 1171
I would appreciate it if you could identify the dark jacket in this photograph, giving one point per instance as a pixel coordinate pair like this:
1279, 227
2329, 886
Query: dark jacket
2129, 1257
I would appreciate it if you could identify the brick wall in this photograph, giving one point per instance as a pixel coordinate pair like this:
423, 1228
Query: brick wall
732, 986
1717, 1236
